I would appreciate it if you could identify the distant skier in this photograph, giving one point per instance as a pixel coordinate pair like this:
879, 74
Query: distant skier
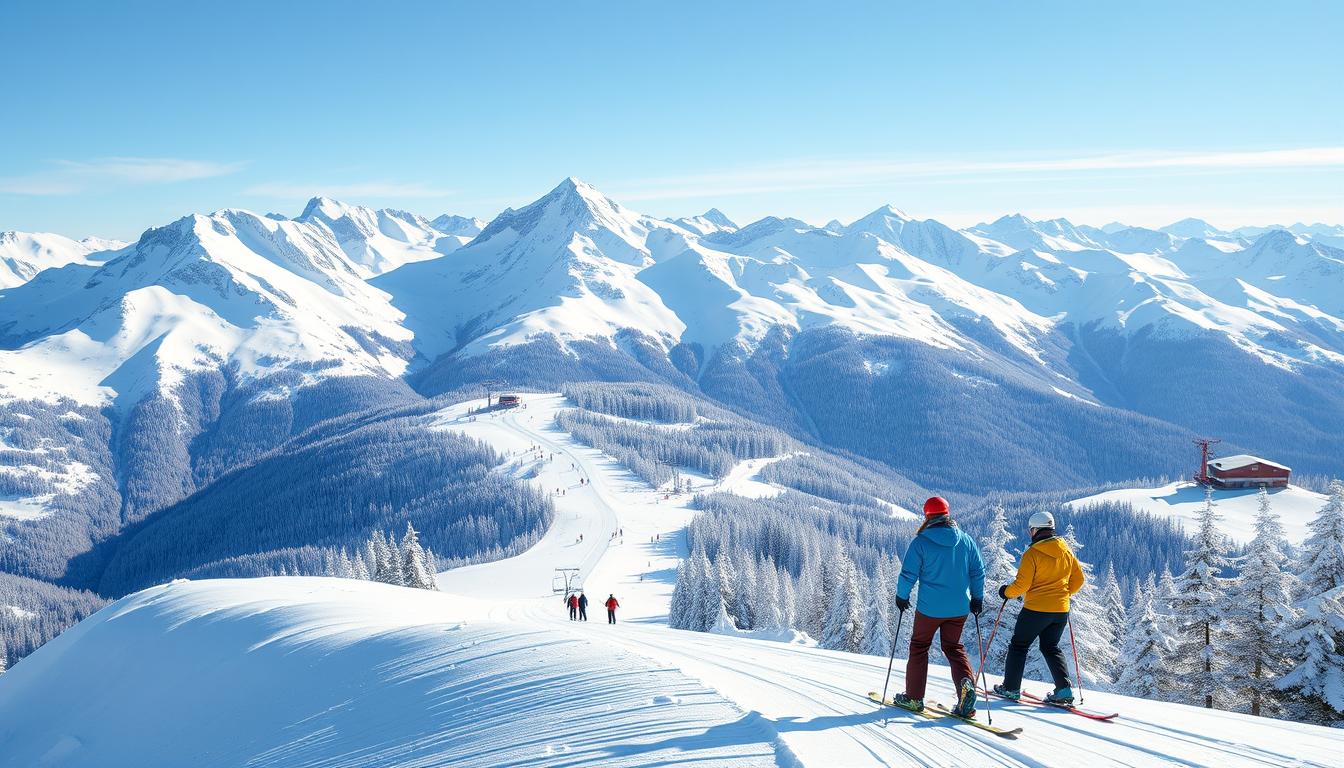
1048, 576
612, 605
583, 607
573, 602
951, 575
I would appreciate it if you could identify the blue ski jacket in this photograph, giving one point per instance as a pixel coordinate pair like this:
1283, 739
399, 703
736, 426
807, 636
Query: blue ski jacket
947, 564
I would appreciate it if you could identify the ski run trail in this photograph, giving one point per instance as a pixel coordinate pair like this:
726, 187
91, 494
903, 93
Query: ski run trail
300, 671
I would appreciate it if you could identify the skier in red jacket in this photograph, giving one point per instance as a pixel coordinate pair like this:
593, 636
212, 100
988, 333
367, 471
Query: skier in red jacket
573, 602
612, 605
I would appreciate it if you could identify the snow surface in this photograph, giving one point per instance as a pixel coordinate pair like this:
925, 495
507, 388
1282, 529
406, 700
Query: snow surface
1295, 506
311, 671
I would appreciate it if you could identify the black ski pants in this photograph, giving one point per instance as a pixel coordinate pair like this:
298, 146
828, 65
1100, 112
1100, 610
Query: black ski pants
611, 616
1031, 626
583, 612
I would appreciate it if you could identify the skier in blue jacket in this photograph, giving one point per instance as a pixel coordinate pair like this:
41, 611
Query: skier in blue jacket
946, 563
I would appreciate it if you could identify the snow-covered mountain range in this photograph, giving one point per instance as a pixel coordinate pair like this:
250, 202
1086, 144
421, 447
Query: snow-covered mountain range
1013, 355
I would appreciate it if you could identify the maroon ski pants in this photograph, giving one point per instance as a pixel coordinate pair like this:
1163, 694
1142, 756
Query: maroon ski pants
921, 639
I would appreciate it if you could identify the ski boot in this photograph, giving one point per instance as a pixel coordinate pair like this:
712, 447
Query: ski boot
1004, 693
965, 700
905, 702
1060, 697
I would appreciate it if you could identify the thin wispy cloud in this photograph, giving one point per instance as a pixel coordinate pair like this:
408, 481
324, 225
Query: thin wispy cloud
812, 175
353, 191
68, 177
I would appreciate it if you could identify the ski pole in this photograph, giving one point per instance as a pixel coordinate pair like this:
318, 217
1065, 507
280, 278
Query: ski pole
894, 639
992, 632
1076, 669
980, 638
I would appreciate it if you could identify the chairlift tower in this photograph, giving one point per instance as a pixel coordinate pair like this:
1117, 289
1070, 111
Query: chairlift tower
1204, 443
566, 581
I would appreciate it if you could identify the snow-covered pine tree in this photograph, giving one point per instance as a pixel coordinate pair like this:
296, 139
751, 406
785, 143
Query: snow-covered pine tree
344, 569
788, 600
1316, 636
358, 570
811, 596
1113, 600
1260, 610
4, 657
843, 630
389, 560
725, 578
877, 616
1164, 599
1317, 677
1091, 629
1144, 651
1322, 561
415, 571
745, 595
677, 608
709, 602
1000, 569
768, 613
1198, 606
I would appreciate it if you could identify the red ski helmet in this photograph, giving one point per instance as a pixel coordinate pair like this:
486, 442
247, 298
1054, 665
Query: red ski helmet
936, 505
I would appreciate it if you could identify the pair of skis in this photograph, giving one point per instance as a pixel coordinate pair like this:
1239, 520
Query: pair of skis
1037, 701
934, 711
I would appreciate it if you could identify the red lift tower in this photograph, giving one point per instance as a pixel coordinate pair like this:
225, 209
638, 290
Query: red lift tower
1202, 476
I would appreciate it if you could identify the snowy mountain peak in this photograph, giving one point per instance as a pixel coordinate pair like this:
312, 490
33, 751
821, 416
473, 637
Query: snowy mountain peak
707, 223
25, 254
462, 226
1192, 227
715, 216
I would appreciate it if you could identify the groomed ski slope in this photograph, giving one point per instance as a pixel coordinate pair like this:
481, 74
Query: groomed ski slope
490, 672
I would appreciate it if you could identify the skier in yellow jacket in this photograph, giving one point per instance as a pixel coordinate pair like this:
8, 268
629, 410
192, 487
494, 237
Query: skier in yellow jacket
1048, 576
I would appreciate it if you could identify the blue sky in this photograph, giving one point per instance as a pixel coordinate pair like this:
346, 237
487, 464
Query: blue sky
123, 116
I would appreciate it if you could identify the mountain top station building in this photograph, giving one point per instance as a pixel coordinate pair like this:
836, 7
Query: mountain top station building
1246, 471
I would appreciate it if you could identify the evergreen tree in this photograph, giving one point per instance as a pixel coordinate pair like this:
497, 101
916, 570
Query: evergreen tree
1112, 599
678, 609
1317, 678
358, 569
745, 594
1322, 561
843, 630
877, 616
415, 572
1144, 652
1260, 611
389, 561
709, 601
1198, 607
788, 600
769, 612
725, 578
1164, 603
1315, 638
1000, 569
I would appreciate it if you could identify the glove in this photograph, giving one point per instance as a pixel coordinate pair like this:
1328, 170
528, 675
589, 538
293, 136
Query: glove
902, 603
977, 605
1003, 592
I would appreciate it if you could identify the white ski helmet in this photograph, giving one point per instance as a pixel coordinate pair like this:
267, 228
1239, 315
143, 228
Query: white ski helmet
1041, 520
